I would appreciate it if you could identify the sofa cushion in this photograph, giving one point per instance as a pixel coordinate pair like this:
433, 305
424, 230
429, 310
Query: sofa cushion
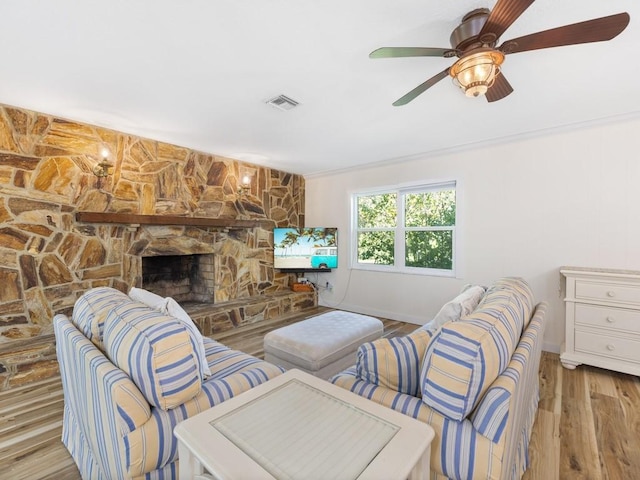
394, 362
465, 357
462, 305
91, 309
169, 306
156, 351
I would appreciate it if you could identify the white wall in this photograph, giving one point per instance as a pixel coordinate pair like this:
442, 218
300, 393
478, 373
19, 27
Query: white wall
526, 208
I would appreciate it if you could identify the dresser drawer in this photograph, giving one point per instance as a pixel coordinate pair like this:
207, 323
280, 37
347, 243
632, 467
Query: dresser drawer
606, 346
608, 317
610, 292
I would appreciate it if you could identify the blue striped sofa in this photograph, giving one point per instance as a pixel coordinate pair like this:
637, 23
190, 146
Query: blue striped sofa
130, 373
475, 381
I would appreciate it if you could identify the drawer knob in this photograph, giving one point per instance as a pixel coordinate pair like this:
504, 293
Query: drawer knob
610, 320
611, 347
611, 293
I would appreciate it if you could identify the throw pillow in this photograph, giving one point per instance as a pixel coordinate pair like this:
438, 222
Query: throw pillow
394, 363
156, 351
150, 299
169, 306
174, 309
461, 306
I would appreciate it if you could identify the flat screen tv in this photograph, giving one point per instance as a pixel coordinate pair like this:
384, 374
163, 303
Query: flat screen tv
307, 249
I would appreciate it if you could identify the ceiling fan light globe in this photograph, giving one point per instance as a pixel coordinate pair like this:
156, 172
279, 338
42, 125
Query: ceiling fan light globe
476, 72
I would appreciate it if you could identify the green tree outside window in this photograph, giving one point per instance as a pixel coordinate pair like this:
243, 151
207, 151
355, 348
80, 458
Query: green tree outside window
424, 238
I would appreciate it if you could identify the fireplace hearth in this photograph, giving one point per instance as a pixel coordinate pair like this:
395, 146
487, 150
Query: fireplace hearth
186, 278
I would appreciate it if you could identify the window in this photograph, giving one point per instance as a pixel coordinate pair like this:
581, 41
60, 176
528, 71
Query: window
410, 229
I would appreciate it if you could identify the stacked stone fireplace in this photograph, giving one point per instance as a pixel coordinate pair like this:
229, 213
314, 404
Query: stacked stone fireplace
49, 256
223, 280
186, 278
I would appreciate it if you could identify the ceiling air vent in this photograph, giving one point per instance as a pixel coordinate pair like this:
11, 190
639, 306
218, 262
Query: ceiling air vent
282, 102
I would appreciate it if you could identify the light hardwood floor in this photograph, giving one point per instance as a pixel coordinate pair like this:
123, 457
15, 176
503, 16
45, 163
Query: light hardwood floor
588, 423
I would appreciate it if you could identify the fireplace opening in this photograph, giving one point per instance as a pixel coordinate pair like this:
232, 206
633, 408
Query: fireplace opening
186, 278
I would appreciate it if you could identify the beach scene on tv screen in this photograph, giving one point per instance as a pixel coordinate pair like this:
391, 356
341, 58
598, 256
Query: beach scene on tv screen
305, 248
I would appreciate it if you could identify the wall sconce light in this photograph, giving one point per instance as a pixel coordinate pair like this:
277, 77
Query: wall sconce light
103, 168
245, 185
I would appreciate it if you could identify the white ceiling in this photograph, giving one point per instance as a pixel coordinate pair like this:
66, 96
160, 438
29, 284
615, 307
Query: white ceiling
196, 73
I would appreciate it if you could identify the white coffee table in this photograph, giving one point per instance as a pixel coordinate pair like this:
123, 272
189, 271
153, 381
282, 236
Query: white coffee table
300, 427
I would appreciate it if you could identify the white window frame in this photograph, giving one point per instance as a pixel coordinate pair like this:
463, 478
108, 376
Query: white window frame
400, 229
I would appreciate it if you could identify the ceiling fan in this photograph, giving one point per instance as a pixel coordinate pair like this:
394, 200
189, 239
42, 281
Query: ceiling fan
477, 71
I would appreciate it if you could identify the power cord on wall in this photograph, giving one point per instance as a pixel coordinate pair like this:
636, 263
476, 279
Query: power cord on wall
320, 289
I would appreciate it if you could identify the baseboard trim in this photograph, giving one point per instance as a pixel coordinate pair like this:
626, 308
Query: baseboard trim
551, 347
375, 312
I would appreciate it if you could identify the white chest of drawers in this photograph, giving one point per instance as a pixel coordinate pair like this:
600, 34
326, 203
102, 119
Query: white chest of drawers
602, 319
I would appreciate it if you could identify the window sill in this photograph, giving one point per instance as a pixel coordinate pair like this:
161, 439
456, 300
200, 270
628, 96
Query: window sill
425, 272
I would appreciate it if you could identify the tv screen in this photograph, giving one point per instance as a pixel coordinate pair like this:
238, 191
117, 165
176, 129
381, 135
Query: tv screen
305, 249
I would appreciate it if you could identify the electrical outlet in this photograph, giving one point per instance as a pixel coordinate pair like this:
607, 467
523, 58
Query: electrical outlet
329, 287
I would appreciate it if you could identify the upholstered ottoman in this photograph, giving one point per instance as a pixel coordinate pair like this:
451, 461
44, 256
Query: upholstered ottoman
322, 345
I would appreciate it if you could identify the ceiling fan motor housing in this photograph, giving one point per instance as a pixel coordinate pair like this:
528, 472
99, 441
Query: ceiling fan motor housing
465, 35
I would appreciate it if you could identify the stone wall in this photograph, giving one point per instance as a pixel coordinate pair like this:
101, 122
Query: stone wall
47, 258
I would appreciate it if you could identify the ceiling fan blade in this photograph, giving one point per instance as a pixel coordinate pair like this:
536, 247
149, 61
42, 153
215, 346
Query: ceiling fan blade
421, 88
501, 17
596, 30
390, 52
500, 89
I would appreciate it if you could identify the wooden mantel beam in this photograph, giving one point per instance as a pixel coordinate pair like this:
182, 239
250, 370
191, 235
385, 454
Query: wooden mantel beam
133, 219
